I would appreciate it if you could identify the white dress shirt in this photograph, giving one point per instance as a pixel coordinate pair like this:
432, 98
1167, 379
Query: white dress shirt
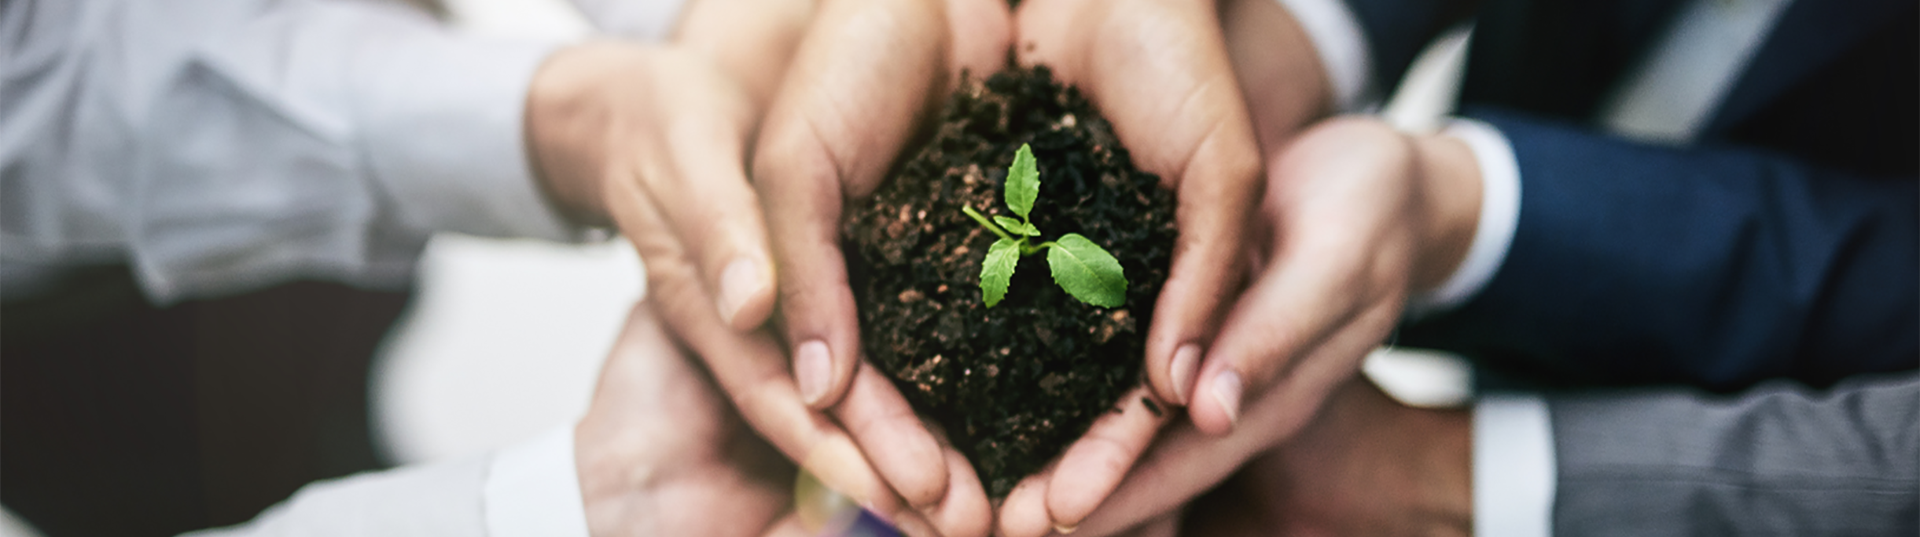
529, 490
217, 146
1667, 99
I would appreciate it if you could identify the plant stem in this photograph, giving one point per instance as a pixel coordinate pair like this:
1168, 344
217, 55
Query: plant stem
982, 219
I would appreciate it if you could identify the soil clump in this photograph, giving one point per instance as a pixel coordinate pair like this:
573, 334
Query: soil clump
1012, 385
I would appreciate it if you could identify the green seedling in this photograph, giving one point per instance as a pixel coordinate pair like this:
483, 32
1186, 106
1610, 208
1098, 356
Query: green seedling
1082, 268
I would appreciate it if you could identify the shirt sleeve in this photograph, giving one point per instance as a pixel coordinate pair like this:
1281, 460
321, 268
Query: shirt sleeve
437, 499
533, 490
530, 489
1716, 266
1499, 214
1513, 467
221, 145
647, 20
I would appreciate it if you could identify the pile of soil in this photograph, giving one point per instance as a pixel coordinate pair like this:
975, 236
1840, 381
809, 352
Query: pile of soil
1014, 384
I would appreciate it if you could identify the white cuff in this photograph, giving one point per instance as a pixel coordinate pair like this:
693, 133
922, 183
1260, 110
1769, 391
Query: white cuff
444, 136
1513, 467
533, 489
1499, 215
1342, 47
644, 21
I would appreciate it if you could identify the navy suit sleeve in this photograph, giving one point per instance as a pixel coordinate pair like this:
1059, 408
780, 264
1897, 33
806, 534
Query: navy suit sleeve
1397, 30
1717, 267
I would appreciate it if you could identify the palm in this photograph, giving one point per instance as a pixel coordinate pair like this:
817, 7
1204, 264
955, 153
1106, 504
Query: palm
1159, 72
660, 452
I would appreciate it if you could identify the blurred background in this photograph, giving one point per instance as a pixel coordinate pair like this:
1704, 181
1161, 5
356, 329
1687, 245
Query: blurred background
501, 340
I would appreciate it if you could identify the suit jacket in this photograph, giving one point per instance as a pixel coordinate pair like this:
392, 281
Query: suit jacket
1784, 243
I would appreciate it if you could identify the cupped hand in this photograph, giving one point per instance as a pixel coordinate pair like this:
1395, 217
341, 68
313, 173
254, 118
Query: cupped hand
864, 78
655, 140
1366, 466
660, 451
1160, 72
1356, 216
663, 451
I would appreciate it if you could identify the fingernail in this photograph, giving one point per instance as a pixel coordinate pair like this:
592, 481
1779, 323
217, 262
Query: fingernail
1186, 363
1226, 391
812, 365
738, 283
1066, 530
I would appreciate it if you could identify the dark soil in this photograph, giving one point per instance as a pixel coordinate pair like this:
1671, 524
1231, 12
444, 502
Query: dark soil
1012, 385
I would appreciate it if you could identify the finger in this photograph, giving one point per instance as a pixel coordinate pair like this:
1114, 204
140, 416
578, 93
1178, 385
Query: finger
1185, 462
982, 31
863, 75
1176, 468
1160, 73
1294, 305
751, 369
894, 439
964, 512
1330, 270
1052, 32
1218, 185
700, 186
1096, 463
1023, 513
1208, 257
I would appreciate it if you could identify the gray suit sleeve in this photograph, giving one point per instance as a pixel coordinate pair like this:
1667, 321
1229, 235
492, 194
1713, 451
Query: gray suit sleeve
1776, 460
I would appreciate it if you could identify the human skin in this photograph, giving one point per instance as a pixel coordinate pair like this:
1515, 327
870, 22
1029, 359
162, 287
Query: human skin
656, 140
1161, 72
864, 80
660, 451
1365, 466
1331, 263
1354, 217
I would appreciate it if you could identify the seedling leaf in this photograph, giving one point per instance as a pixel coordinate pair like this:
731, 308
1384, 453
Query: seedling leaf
1023, 182
1085, 270
996, 273
1016, 227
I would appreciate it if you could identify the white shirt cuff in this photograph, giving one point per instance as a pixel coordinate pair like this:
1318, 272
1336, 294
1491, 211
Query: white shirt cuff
444, 134
645, 21
533, 489
1499, 215
1341, 45
1513, 467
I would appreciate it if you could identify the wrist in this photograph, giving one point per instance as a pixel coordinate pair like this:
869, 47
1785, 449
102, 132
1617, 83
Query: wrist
1447, 496
1282, 78
1433, 470
1450, 187
567, 121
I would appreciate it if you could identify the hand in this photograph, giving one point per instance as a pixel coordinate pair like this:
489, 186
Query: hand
1160, 71
655, 140
660, 452
1366, 466
864, 77
1355, 215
